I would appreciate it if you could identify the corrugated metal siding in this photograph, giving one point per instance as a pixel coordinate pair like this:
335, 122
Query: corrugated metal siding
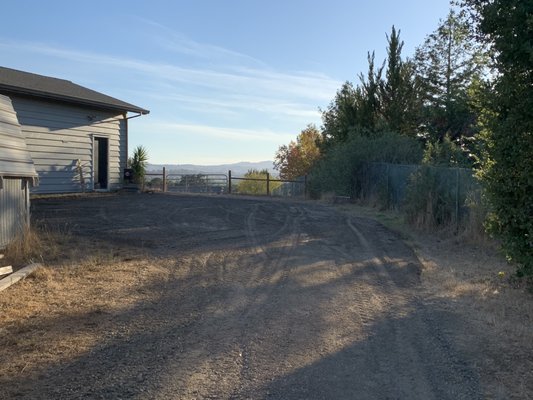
58, 135
14, 209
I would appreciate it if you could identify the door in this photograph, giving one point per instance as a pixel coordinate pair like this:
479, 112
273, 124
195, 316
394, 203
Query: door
101, 163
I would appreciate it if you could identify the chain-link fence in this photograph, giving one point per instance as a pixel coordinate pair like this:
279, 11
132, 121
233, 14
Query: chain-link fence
429, 195
294, 189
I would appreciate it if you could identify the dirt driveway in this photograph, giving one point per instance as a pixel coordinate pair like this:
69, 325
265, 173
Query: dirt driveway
230, 298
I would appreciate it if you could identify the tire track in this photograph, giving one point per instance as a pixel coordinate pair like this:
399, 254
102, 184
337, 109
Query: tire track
273, 263
420, 346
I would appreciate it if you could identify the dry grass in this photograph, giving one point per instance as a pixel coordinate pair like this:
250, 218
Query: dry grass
38, 244
465, 275
25, 248
63, 310
474, 282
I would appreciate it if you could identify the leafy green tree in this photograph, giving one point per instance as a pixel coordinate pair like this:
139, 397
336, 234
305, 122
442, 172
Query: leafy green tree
297, 158
193, 180
254, 187
507, 161
155, 183
446, 65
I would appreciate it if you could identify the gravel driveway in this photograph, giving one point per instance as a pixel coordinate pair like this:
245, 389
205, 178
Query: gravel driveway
266, 299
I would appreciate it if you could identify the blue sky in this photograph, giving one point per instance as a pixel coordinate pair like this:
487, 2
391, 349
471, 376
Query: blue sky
225, 81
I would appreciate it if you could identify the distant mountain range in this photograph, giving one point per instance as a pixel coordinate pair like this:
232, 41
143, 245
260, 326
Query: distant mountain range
237, 169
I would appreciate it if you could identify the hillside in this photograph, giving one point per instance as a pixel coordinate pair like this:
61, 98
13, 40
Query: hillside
237, 169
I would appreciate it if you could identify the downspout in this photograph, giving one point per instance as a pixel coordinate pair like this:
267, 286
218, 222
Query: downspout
126, 144
126, 118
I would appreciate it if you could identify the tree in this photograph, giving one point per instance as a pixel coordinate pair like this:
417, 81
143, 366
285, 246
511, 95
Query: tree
355, 109
155, 183
399, 93
445, 154
506, 169
256, 187
341, 116
381, 102
297, 158
368, 96
446, 64
193, 180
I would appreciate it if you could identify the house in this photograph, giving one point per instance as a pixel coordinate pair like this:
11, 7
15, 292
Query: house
77, 137
17, 174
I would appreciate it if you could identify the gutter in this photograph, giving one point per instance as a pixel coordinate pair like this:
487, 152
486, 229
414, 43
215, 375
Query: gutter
75, 100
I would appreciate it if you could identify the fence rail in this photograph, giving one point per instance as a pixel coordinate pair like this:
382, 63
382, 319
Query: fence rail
271, 187
222, 183
186, 183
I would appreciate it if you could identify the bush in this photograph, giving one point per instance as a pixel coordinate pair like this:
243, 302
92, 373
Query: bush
138, 163
429, 202
340, 171
443, 197
507, 131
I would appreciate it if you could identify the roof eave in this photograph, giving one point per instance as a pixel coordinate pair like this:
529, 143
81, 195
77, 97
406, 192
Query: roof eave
75, 100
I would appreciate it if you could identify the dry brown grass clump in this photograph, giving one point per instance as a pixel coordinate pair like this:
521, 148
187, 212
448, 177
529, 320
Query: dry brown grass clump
27, 246
33, 245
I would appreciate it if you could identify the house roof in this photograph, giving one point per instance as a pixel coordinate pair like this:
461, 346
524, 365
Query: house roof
20, 82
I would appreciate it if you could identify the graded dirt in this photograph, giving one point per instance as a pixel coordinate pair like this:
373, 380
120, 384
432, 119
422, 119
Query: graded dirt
199, 297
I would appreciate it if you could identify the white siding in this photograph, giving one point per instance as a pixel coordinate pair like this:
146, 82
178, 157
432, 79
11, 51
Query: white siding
58, 135
15, 160
16, 170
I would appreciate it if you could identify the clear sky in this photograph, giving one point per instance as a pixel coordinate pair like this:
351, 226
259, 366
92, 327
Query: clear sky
225, 80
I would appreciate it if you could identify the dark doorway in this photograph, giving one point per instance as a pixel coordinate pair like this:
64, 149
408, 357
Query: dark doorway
101, 149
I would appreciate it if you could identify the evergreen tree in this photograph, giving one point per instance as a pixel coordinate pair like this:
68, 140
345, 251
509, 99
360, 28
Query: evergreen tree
446, 64
399, 95
368, 100
341, 116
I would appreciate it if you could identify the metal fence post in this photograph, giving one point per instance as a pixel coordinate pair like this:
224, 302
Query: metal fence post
387, 171
457, 200
229, 181
268, 184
